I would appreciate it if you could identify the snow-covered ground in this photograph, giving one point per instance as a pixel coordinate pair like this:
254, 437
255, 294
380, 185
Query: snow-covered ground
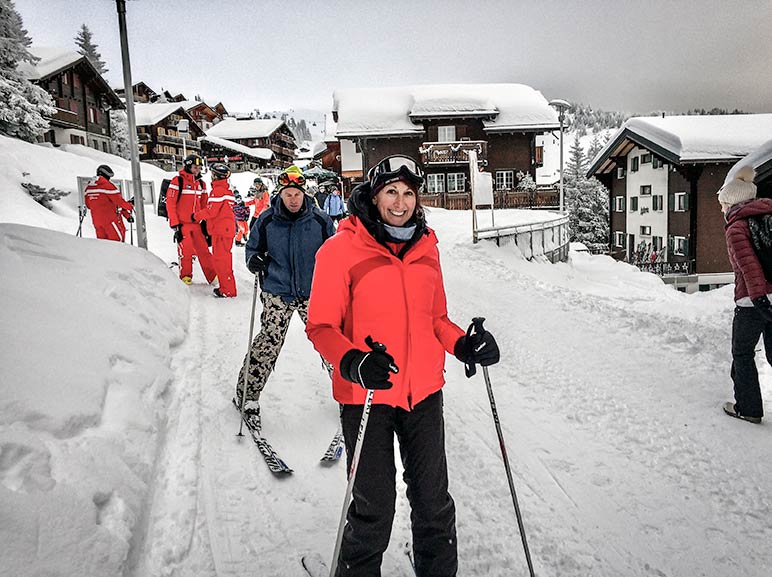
118, 446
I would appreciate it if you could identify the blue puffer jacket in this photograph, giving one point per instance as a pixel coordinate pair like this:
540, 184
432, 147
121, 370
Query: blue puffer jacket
289, 246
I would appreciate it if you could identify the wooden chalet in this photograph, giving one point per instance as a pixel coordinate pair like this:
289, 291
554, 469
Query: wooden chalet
663, 174
238, 157
438, 125
82, 98
268, 134
159, 141
141, 92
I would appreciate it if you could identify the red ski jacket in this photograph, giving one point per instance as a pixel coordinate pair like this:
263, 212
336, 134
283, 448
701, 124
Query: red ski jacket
218, 213
105, 201
181, 204
748, 275
260, 203
360, 288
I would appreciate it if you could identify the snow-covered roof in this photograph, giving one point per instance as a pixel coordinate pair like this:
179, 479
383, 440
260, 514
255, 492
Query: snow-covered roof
388, 111
679, 139
147, 114
262, 153
52, 60
760, 159
232, 129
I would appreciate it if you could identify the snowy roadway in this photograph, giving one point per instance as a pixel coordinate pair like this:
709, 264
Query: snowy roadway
608, 392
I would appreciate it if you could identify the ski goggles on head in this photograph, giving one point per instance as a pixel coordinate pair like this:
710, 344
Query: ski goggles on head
394, 168
288, 179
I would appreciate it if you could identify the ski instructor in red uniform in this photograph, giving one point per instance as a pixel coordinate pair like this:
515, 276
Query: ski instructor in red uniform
108, 208
181, 203
380, 277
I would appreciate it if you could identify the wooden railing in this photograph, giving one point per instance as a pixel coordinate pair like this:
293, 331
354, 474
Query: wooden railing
452, 152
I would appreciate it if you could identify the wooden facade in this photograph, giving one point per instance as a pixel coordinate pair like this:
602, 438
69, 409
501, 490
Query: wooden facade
161, 144
446, 162
83, 100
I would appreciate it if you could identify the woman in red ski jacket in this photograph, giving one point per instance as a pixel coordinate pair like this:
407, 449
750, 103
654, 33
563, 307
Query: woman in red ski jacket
221, 225
752, 291
380, 277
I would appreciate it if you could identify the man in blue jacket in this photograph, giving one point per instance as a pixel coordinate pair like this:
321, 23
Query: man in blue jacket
281, 250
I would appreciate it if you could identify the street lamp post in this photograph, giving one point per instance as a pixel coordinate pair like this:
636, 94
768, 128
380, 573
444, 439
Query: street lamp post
136, 177
561, 106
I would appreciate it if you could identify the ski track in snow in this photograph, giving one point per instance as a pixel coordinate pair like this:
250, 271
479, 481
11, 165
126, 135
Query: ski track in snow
567, 408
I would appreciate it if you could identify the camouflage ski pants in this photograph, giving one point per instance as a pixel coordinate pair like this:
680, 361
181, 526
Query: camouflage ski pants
274, 323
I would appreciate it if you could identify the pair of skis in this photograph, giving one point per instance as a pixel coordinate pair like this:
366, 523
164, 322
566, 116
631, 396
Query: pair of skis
276, 464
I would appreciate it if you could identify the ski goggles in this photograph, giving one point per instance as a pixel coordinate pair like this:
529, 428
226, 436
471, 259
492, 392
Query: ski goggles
288, 179
394, 168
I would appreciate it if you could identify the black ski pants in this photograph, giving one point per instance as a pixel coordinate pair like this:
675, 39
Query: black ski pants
748, 325
421, 436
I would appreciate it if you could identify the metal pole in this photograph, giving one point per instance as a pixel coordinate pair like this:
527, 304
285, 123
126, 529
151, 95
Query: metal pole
248, 360
560, 119
136, 177
351, 477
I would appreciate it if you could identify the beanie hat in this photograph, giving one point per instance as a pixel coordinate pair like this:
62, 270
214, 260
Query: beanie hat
740, 188
292, 177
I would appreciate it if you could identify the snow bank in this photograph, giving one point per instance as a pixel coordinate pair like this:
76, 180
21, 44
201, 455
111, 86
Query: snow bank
87, 328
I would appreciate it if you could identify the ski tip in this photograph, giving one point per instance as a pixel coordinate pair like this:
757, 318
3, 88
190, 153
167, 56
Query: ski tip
314, 565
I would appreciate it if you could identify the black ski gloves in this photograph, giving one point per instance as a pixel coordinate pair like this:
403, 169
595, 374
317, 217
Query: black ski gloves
178, 233
129, 218
763, 306
370, 369
476, 347
257, 264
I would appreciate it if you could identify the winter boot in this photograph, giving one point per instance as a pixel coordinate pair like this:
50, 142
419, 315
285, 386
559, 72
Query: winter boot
731, 409
252, 415
187, 280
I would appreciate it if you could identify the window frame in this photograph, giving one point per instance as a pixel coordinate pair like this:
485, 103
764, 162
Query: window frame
679, 206
645, 190
432, 181
634, 164
511, 179
456, 177
645, 230
679, 240
633, 204
619, 203
446, 128
619, 238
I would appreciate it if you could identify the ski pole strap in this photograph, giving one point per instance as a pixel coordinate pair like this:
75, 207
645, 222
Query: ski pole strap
473, 336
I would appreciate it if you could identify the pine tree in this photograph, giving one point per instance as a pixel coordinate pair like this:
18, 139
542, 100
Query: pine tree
119, 133
23, 106
586, 200
88, 49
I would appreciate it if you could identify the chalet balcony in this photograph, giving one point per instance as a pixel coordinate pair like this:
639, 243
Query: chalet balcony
177, 140
434, 153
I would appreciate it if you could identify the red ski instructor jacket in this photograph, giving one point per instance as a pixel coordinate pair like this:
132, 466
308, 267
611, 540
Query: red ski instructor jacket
361, 289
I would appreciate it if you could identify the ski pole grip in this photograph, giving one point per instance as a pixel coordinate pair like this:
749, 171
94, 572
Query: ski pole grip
377, 347
473, 334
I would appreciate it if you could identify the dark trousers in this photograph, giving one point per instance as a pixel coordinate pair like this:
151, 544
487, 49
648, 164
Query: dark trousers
421, 436
748, 325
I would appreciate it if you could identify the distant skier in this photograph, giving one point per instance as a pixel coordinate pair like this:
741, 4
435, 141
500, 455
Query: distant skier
221, 225
241, 214
181, 203
752, 291
282, 251
333, 205
380, 277
108, 208
259, 198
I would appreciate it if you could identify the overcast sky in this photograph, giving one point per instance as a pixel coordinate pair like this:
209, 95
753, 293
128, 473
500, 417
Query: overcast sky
631, 56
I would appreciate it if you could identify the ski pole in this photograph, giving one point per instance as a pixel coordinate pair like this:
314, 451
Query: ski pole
81, 215
378, 347
248, 362
476, 329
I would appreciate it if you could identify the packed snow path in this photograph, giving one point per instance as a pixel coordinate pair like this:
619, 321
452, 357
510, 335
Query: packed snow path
622, 460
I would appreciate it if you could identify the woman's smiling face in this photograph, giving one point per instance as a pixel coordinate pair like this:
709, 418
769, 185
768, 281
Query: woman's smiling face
396, 203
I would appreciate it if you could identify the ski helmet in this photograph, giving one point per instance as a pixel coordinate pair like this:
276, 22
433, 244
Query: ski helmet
393, 168
219, 171
104, 170
192, 160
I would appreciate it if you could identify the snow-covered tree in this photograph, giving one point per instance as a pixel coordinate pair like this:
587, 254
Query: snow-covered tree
119, 129
23, 106
88, 49
586, 200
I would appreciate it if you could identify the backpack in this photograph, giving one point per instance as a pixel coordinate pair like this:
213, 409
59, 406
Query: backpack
761, 238
161, 210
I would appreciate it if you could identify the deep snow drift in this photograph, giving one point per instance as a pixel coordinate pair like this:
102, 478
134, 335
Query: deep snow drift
118, 453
